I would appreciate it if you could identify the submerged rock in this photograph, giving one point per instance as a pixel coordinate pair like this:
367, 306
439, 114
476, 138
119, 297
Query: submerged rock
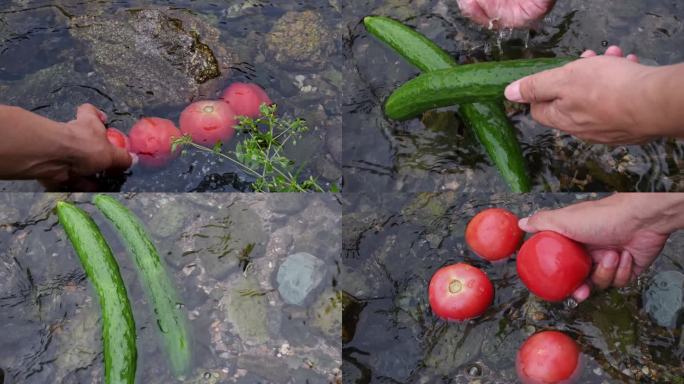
664, 299
152, 56
246, 310
299, 275
300, 40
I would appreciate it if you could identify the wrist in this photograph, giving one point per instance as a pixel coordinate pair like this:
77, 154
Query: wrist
662, 213
661, 107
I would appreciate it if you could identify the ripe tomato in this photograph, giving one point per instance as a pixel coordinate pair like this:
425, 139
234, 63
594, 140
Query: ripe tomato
151, 139
552, 266
460, 292
493, 234
246, 98
118, 139
548, 357
208, 122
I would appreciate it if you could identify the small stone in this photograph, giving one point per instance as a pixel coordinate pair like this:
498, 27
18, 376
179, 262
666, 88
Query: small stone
664, 298
299, 275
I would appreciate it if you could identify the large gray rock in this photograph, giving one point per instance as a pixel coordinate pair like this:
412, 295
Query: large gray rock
664, 298
159, 56
299, 275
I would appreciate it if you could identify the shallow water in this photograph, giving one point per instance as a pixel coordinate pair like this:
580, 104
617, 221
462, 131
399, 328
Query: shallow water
222, 253
50, 62
393, 244
385, 156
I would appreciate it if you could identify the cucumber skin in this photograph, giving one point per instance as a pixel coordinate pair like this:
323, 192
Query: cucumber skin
487, 119
463, 84
413, 46
158, 286
496, 133
118, 326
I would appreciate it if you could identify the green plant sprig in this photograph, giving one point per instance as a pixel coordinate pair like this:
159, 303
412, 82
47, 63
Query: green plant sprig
260, 153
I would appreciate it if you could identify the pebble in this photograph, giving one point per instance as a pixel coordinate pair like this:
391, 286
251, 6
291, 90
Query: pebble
299, 275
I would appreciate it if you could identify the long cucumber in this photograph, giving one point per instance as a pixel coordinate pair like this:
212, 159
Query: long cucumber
118, 327
487, 119
463, 84
158, 286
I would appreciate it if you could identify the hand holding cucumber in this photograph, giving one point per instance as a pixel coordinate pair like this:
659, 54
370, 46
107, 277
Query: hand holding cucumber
606, 99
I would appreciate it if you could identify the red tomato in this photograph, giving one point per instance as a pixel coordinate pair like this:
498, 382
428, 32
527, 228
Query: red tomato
151, 140
208, 122
493, 234
548, 357
118, 139
246, 98
552, 266
460, 292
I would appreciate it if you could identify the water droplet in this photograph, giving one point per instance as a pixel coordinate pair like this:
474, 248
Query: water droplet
180, 305
207, 375
604, 43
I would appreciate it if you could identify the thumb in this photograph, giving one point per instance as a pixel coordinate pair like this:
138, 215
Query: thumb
121, 159
541, 87
542, 221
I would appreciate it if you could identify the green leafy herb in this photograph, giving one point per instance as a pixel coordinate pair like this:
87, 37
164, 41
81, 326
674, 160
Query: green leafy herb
260, 153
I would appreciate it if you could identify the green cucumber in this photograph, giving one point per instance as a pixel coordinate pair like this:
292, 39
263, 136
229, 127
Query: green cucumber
413, 46
118, 327
496, 133
463, 84
158, 286
487, 119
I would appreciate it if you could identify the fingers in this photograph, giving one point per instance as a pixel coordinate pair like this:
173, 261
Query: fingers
588, 53
542, 87
582, 293
87, 113
606, 268
121, 159
613, 50
542, 221
624, 270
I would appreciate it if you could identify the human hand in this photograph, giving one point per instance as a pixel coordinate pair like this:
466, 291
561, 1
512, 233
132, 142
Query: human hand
598, 98
93, 152
505, 13
623, 234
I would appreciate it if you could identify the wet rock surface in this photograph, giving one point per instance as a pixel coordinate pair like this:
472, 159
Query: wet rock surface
161, 56
664, 299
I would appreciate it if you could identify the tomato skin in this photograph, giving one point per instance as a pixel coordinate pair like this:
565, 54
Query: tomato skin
552, 266
549, 357
151, 139
493, 234
460, 292
246, 98
208, 122
118, 139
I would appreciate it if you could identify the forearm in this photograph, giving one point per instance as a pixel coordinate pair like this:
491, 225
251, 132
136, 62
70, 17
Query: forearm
31, 144
661, 212
663, 99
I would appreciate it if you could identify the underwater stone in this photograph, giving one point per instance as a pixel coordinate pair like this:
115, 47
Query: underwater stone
300, 40
664, 298
246, 312
298, 276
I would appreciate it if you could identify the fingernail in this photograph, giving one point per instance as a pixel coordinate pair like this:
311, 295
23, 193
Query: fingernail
512, 92
522, 223
611, 260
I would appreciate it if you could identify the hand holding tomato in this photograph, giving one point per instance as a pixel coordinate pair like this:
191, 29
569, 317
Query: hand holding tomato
623, 233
